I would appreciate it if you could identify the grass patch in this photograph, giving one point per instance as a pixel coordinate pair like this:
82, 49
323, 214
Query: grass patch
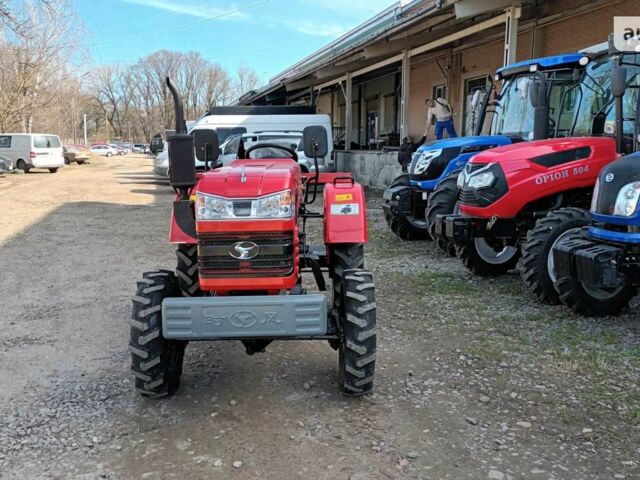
445, 284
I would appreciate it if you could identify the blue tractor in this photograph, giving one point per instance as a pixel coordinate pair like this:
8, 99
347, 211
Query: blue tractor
598, 267
413, 201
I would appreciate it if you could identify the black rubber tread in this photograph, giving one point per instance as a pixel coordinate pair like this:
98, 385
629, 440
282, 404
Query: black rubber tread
156, 363
53, 170
470, 259
343, 257
357, 352
187, 270
400, 225
402, 179
404, 230
573, 294
67, 161
442, 201
537, 248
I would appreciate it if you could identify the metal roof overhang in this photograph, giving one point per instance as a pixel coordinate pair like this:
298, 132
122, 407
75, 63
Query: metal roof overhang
418, 27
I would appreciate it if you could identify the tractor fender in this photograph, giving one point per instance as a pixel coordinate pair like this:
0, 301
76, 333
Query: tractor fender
345, 215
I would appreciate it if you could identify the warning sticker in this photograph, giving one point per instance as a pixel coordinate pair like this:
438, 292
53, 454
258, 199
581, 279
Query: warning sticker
344, 197
345, 209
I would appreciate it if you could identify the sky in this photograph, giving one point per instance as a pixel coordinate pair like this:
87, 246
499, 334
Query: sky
267, 35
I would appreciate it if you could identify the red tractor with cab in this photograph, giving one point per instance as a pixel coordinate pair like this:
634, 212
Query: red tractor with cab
516, 202
241, 251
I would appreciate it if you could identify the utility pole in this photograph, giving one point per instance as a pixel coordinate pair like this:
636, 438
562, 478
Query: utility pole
86, 144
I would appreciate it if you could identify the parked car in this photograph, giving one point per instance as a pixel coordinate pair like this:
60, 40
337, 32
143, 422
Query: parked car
161, 164
139, 148
104, 150
32, 150
74, 154
5, 165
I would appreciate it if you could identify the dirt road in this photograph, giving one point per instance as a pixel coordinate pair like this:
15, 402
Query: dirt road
475, 379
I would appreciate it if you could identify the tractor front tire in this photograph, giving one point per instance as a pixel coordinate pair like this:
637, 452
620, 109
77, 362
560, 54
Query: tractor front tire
402, 226
478, 262
156, 363
187, 270
442, 201
536, 264
357, 351
590, 301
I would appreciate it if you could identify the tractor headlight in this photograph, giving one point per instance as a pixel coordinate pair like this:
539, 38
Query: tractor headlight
279, 205
424, 159
627, 200
210, 207
461, 179
481, 180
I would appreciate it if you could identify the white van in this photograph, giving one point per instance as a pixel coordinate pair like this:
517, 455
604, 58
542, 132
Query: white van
32, 150
228, 124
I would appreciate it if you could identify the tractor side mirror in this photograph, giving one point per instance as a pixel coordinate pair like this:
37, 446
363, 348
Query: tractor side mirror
314, 141
538, 93
618, 80
206, 144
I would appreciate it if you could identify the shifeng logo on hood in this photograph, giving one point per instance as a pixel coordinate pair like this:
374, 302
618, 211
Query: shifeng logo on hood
244, 250
609, 178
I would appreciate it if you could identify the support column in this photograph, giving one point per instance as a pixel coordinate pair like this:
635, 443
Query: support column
348, 112
405, 86
511, 34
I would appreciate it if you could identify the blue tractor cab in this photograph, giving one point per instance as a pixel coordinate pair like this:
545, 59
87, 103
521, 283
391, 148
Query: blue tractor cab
409, 208
598, 267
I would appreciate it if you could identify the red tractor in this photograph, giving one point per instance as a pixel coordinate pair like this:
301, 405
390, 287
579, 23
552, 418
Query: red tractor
242, 249
517, 202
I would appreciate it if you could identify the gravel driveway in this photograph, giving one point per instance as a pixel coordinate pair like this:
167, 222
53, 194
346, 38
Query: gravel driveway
475, 379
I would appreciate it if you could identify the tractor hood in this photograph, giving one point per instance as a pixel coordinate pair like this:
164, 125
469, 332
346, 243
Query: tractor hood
431, 159
546, 154
250, 178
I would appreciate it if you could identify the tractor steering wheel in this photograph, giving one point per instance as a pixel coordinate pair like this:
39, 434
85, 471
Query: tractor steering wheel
291, 152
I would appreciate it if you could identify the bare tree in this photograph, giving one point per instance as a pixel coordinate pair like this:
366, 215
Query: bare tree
246, 79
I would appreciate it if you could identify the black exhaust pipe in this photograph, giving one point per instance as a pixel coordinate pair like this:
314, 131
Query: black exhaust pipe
182, 164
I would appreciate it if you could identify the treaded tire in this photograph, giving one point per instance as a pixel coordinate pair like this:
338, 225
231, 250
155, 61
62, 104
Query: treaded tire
442, 201
53, 170
187, 270
574, 295
156, 363
357, 352
474, 262
401, 226
533, 265
343, 257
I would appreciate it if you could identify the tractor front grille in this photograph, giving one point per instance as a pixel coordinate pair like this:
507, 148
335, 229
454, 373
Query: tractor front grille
275, 256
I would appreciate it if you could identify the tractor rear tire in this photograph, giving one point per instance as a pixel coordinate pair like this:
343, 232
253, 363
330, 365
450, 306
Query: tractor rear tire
442, 201
187, 270
536, 264
156, 363
474, 261
401, 226
591, 301
357, 352
343, 257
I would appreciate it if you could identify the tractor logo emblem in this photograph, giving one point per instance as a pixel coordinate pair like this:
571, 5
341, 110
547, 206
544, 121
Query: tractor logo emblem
243, 319
244, 250
609, 178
